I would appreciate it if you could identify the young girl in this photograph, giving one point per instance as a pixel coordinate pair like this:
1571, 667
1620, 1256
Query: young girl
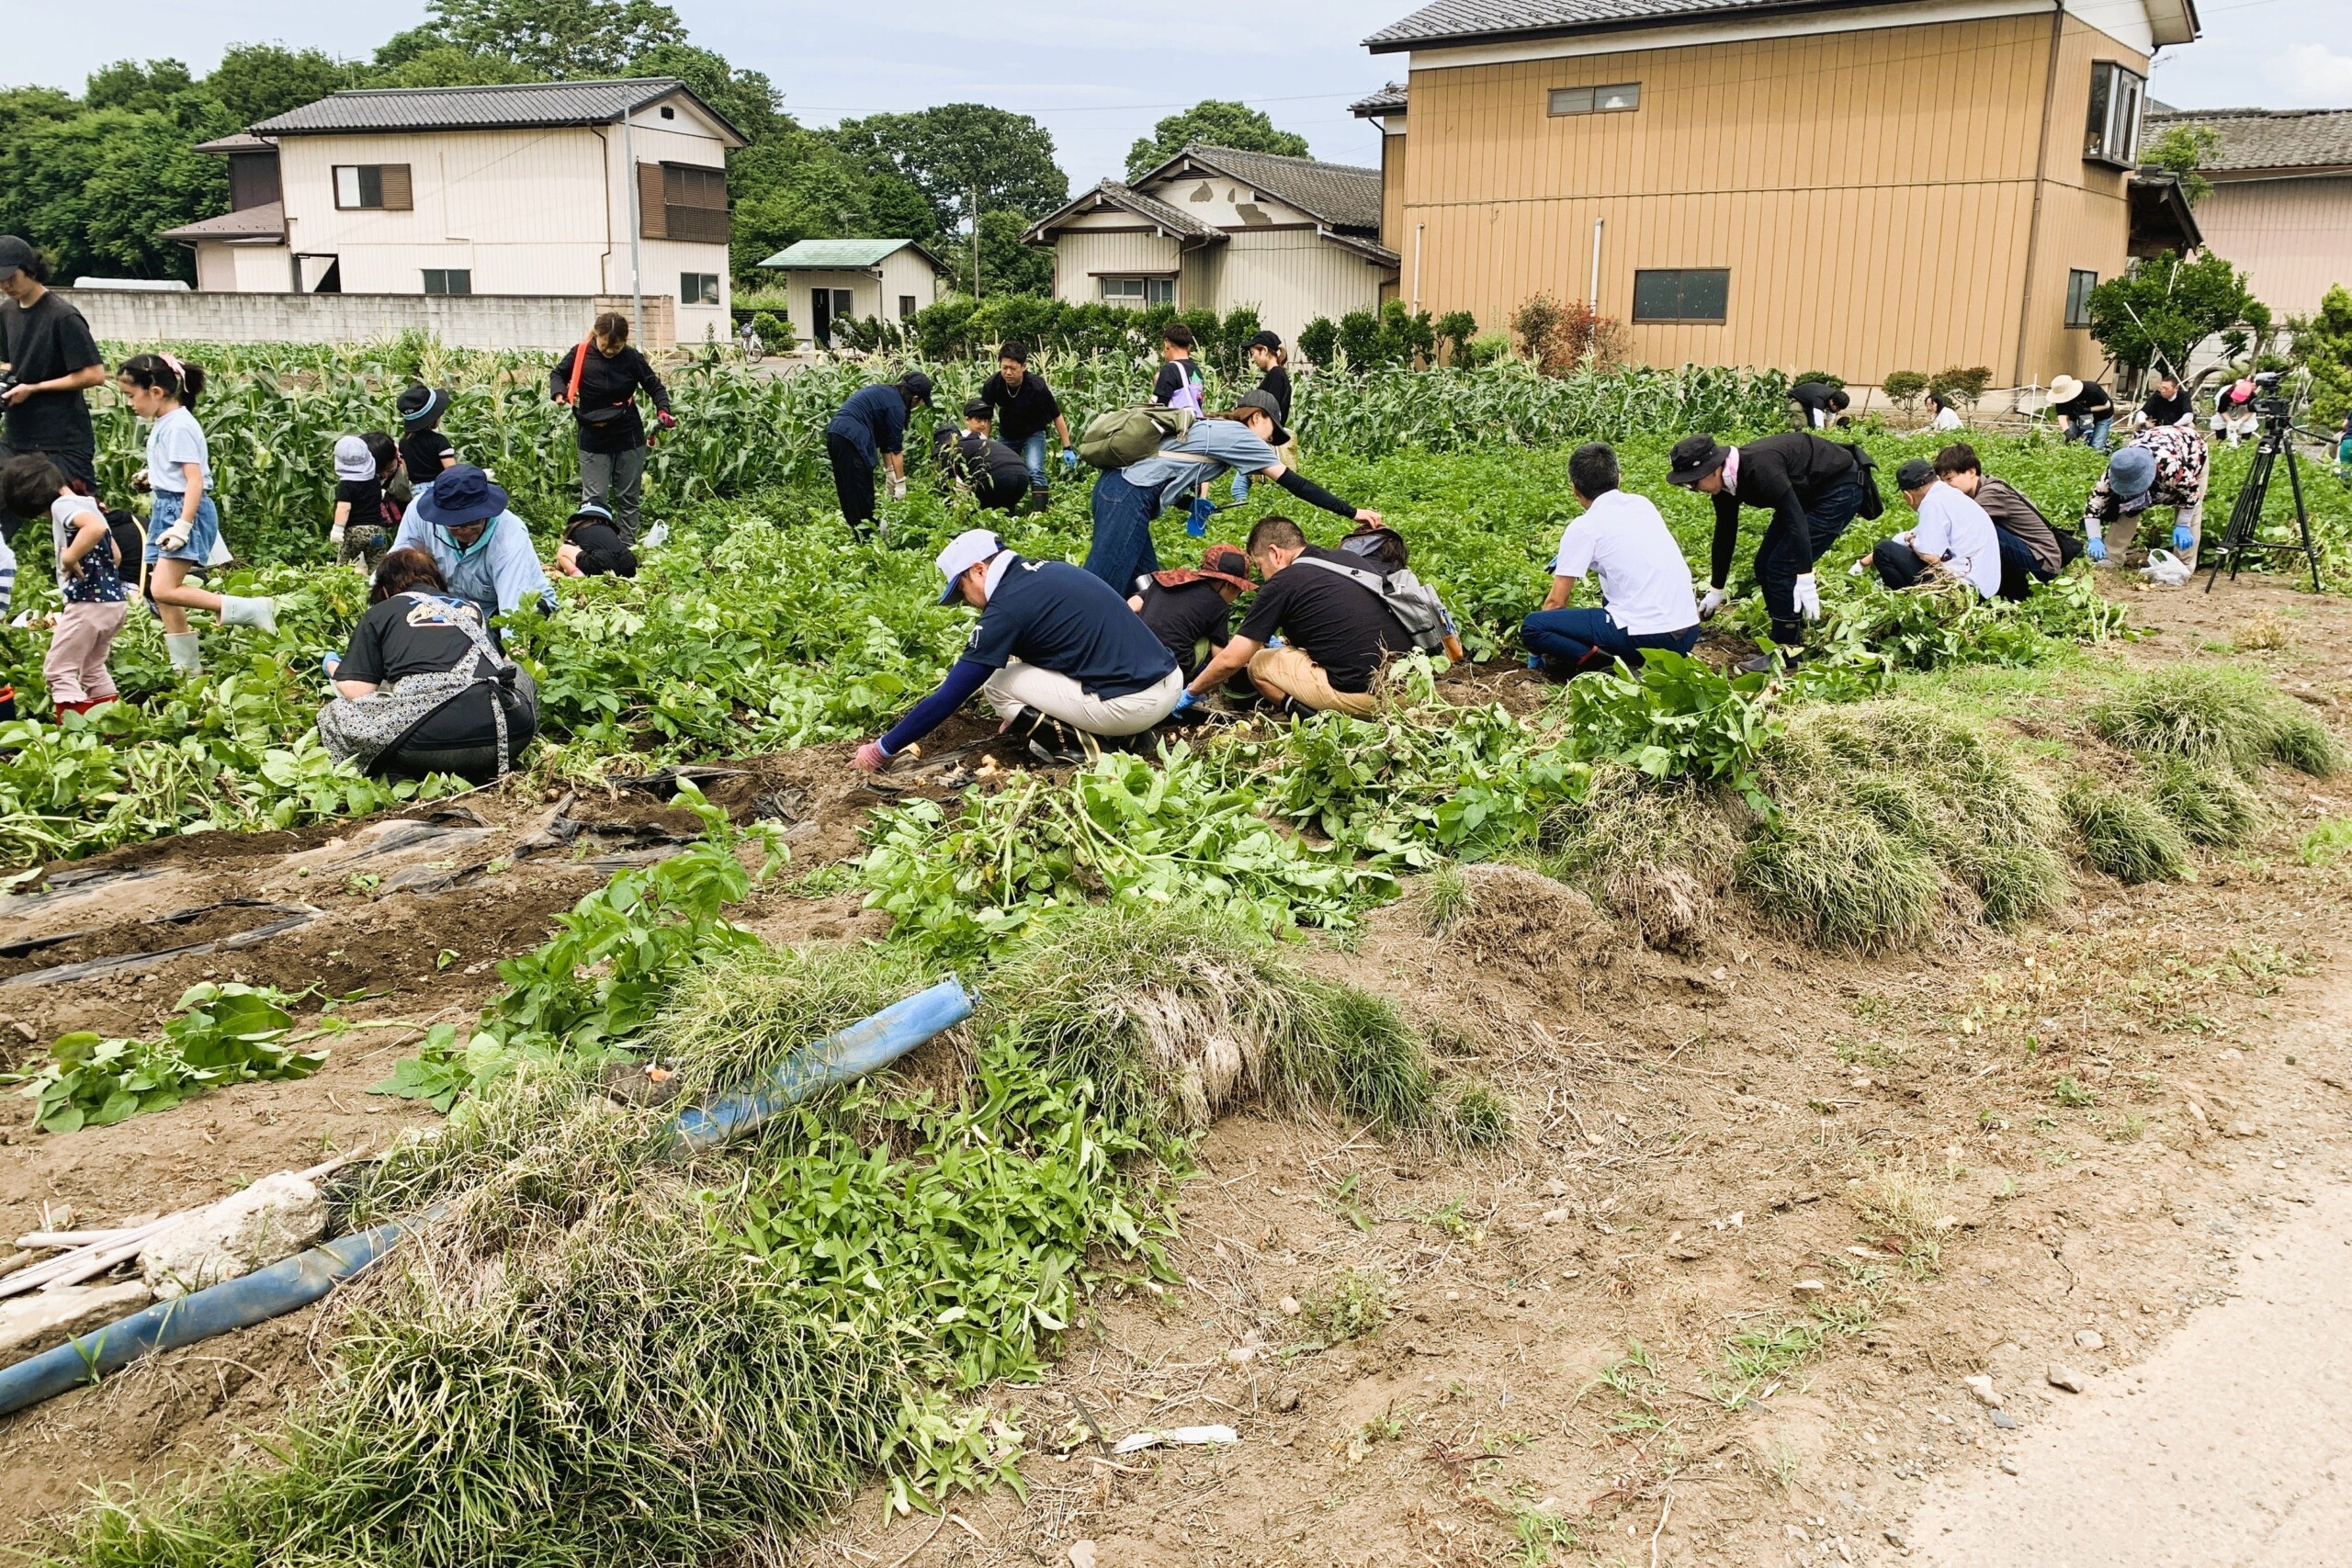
88, 578
363, 468
183, 524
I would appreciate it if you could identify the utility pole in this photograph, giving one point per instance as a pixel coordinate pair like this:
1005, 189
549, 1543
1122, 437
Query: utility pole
976, 240
635, 227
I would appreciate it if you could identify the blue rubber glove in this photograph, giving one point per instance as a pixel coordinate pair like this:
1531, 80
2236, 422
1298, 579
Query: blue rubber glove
2095, 547
1070, 459
2183, 539
1184, 704
330, 663
1197, 525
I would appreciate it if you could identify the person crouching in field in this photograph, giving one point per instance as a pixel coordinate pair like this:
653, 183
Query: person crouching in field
89, 578
183, 524
1646, 599
2032, 550
988, 471
482, 550
1055, 647
1954, 538
593, 548
1190, 610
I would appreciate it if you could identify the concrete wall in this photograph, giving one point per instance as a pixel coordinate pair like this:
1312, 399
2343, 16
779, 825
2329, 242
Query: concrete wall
479, 321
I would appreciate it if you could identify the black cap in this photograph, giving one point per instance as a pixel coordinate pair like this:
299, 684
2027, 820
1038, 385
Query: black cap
417, 403
1263, 401
14, 256
1265, 340
977, 408
916, 385
1693, 458
1916, 474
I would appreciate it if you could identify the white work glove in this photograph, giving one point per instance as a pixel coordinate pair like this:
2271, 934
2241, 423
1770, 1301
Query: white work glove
176, 536
1711, 604
897, 488
1808, 597
335, 534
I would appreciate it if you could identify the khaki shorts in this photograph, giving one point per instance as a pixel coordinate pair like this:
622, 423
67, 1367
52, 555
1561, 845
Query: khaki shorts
1296, 676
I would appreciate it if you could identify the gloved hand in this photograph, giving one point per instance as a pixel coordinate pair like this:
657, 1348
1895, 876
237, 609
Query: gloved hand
1184, 704
1711, 604
2184, 538
331, 663
1808, 597
1197, 525
665, 419
2094, 547
176, 536
1070, 459
871, 758
897, 487
335, 534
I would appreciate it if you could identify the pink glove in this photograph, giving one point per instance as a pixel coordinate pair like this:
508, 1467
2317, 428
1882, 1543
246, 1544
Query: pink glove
871, 758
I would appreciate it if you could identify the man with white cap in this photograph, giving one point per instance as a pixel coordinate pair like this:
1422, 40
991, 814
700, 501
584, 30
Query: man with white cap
1054, 644
2164, 466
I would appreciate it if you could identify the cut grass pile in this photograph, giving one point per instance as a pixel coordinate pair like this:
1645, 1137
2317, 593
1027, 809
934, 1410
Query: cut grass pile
2125, 835
2217, 714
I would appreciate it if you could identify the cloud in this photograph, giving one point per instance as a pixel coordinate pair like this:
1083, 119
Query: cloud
2313, 71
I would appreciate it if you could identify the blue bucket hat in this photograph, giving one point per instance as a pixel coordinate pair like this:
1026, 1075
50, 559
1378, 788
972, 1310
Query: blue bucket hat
460, 496
2131, 474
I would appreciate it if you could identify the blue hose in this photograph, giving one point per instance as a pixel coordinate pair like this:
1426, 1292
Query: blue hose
233, 1304
863, 1047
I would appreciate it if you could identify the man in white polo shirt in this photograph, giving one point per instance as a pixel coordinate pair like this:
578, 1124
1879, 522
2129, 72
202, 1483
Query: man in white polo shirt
1954, 536
1646, 600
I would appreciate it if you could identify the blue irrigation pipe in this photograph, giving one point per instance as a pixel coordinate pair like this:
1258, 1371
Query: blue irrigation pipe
863, 1047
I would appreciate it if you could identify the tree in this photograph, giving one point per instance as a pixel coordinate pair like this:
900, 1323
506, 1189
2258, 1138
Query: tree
2324, 343
1007, 267
2158, 311
559, 39
1455, 330
152, 88
946, 153
2184, 150
256, 81
1904, 388
96, 191
445, 65
1960, 383
1217, 123
747, 98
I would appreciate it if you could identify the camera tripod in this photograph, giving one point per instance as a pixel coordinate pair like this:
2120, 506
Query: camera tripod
2245, 518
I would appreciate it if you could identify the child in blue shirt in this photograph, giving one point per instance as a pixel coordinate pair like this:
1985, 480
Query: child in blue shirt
183, 524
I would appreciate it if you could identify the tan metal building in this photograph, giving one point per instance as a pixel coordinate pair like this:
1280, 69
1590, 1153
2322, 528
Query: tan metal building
1214, 228
546, 189
2281, 207
1809, 184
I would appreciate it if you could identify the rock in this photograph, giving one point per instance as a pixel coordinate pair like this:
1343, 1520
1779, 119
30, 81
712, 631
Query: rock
1554, 1216
1556, 1187
273, 1219
38, 1319
1686, 1252
2090, 1339
2066, 1377
1290, 1306
1982, 1387
1894, 1538
1285, 1400
2009, 1467
2245, 1129
1081, 1554
2003, 1419
1809, 1289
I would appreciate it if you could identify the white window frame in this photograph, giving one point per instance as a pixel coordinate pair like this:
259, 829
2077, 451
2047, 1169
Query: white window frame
2118, 99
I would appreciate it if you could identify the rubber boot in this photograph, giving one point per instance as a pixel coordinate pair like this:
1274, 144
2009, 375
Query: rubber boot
259, 613
183, 647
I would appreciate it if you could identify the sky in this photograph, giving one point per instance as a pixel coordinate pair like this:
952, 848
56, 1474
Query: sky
1097, 75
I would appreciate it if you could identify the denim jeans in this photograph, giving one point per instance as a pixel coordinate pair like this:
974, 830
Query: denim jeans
1033, 453
2090, 428
1566, 636
1781, 559
1122, 548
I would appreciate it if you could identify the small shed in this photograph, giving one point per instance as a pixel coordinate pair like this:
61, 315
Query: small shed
835, 280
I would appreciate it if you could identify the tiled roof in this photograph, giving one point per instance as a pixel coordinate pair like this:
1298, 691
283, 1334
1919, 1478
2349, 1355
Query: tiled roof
267, 221
1111, 193
1452, 21
503, 108
2269, 138
835, 255
235, 142
1389, 100
1340, 194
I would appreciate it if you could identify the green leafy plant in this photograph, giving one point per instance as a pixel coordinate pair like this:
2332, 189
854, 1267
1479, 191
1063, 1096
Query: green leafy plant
224, 1034
1676, 718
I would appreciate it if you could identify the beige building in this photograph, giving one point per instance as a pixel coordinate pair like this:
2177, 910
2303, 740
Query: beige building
553, 190
2281, 207
854, 280
1858, 188
1214, 229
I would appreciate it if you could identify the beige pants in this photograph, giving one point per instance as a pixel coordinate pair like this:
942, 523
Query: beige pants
2122, 531
1018, 687
1291, 673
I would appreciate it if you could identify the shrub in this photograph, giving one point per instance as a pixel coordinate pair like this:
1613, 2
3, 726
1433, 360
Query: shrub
2210, 804
1486, 348
1826, 378
2216, 715
1456, 331
1318, 340
1361, 341
1963, 385
1904, 388
2125, 835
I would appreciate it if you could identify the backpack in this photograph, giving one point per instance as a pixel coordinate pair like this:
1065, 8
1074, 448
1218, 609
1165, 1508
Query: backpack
1412, 602
1873, 505
1120, 438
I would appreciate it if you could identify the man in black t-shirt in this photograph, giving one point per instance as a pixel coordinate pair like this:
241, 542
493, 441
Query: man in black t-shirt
1026, 409
989, 471
1819, 404
51, 357
1337, 631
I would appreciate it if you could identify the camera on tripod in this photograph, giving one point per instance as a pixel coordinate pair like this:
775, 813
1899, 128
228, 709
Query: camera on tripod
2267, 403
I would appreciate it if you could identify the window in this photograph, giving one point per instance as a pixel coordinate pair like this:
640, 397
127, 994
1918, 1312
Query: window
907, 307
1699, 294
449, 281
2116, 98
681, 201
2079, 285
365, 187
697, 288
1139, 291
1622, 98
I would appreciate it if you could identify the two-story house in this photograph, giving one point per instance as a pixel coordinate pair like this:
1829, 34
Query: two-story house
1848, 185
560, 188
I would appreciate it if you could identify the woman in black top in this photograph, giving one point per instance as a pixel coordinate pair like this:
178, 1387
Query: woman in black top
52, 361
1186, 609
601, 379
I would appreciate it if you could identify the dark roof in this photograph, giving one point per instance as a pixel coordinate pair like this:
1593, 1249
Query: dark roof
1111, 193
504, 107
1460, 21
2258, 141
236, 142
267, 221
1389, 100
1339, 195
2160, 220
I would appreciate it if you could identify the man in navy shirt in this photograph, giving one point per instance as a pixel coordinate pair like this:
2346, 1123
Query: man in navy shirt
870, 432
1054, 642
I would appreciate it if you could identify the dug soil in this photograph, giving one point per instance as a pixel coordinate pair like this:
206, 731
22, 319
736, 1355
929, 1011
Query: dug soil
1763, 1210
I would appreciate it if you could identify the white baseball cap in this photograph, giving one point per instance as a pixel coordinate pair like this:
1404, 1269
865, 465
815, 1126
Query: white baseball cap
964, 552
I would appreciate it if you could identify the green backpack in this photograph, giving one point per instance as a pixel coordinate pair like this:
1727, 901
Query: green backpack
1120, 438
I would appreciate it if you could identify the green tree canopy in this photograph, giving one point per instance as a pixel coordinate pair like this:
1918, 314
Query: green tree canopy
1218, 123
559, 39
2184, 150
946, 153
2324, 343
2158, 310
255, 81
